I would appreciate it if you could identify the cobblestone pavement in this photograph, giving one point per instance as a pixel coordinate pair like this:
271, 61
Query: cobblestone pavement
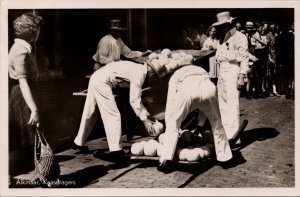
267, 158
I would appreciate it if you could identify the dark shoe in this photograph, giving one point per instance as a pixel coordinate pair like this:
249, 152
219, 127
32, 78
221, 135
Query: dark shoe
228, 164
238, 134
82, 149
114, 156
237, 159
162, 167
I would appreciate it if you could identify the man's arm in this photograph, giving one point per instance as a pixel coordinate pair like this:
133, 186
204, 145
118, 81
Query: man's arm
135, 100
126, 51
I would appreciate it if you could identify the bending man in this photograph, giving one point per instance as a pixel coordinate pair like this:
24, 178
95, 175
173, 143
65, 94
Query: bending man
191, 89
100, 94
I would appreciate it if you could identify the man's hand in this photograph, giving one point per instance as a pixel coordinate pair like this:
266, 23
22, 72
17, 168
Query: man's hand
241, 81
149, 126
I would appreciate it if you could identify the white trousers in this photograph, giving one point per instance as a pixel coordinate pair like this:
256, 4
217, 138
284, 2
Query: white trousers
228, 96
100, 94
194, 92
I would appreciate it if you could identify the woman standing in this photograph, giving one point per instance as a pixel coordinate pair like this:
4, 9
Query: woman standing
23, 74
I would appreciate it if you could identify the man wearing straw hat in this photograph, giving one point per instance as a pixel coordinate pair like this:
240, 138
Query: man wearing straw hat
119, 74
233, 57
111, 47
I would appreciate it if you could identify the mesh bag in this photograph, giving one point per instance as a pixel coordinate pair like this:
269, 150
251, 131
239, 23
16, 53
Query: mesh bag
46, 164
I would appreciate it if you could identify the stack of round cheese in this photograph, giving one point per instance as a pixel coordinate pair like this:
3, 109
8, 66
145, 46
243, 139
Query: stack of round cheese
194, 154
170, 60
148, 148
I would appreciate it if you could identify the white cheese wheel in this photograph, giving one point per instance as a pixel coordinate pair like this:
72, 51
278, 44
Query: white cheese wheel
152, 56
192, 155
166, 52
150, 149
137, 149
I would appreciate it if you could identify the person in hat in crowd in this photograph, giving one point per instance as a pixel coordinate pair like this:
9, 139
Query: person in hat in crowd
189, 89
111, 46
233, 57
24, 108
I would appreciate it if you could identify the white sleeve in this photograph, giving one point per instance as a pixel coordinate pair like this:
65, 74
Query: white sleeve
135, 96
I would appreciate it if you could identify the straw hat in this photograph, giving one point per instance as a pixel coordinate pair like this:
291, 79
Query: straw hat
249, 24
223, 17
115, 24
158, 69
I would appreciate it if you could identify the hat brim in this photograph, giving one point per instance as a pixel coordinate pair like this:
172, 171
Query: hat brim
159, 72
223, 22
118, 28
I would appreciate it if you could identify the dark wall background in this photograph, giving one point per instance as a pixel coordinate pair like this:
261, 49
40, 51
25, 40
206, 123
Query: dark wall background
79, 30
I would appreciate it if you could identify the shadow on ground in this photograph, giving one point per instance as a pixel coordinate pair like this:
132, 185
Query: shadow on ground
84, 177
258, 134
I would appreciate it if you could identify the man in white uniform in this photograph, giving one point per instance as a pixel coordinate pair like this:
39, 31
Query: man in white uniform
100, 94
191, 89
233, 57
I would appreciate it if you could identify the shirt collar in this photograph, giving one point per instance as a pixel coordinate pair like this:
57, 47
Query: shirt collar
24, 44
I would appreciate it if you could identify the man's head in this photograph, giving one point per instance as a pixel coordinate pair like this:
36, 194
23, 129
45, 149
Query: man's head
221, 30
249, 27
223, 25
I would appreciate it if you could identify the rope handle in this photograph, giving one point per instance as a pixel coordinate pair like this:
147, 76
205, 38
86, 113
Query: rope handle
41, 136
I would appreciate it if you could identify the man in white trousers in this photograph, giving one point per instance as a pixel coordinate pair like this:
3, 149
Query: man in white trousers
100, 94
233, 56
189, 89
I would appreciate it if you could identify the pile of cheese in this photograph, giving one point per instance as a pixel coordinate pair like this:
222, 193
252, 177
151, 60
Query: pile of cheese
152, 148
171, 61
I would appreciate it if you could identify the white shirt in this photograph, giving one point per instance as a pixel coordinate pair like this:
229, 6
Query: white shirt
234, 50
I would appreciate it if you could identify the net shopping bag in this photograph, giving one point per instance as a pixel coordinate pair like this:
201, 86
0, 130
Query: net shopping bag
46, 164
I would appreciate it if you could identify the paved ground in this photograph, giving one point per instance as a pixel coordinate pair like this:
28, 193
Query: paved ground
266, 157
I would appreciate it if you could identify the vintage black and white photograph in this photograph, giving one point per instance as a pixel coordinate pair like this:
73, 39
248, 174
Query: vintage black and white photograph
171, 97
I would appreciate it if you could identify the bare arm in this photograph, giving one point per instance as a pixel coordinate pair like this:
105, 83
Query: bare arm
26, 92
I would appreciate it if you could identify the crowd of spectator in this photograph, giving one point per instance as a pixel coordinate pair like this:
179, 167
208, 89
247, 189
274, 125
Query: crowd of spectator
271, 56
